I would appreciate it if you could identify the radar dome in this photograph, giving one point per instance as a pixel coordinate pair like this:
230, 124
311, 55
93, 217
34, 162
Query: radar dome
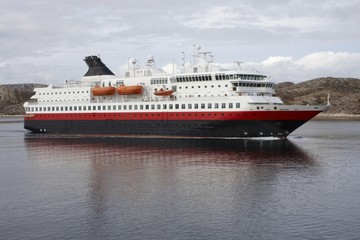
133, 61
151, 58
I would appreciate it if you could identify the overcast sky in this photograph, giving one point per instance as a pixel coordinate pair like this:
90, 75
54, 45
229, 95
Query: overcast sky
45, 41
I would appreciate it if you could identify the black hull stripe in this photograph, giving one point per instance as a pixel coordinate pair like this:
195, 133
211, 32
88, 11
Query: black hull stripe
198, 128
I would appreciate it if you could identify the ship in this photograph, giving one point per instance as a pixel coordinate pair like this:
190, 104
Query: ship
201, 100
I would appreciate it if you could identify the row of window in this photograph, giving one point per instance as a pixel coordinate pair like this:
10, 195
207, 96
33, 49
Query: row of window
223, 76
218, 76
141, 115
109, 83
135, 107
243, 84
64, 100
55, 93
191, 78
212, 86
159, 81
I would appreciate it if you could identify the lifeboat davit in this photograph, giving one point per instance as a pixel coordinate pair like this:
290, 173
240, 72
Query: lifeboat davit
163, 92
129, 90
101, 91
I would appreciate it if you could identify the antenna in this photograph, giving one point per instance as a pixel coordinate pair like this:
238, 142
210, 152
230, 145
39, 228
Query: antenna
173, 64
197, 48
212, 58
239, 64
183, 62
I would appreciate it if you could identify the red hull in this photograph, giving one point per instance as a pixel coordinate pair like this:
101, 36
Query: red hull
181, 116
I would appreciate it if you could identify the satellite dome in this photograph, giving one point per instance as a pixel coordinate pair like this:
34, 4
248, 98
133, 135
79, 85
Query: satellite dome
151, 58
133, 61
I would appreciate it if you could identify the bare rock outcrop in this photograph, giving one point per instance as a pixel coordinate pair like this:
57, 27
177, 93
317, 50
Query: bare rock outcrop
344, 94
13, 96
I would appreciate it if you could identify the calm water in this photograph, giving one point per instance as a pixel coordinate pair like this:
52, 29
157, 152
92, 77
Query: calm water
59, 187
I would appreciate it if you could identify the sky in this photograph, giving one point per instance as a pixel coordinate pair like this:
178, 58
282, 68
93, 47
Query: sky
45, 41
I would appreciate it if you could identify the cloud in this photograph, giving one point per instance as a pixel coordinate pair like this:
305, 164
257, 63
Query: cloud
285, 68
329, 61
314, 65
279, 68
51, 37
215, 17
277, 60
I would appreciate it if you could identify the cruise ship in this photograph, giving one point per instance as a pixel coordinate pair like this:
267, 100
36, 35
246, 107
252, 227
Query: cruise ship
200, 101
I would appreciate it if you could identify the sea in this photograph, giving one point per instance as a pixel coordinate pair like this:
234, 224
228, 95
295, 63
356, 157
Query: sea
103, 187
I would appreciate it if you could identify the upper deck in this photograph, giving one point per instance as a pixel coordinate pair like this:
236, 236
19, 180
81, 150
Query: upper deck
200, 80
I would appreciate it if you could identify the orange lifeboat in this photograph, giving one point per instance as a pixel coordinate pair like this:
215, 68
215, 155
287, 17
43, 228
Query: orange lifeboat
129, 90
100, 91
163, 92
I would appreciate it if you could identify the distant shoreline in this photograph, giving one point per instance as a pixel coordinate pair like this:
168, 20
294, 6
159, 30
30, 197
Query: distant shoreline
11, 116
321, 116
336, 116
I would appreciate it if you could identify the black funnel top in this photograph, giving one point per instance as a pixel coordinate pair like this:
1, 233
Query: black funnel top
96, 67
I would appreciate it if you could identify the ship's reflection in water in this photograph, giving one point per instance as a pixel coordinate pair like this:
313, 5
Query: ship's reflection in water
152, 188
176, 151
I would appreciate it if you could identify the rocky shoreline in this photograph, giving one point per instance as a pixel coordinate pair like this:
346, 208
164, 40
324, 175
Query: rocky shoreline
344, 94
12, 116
336, 116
